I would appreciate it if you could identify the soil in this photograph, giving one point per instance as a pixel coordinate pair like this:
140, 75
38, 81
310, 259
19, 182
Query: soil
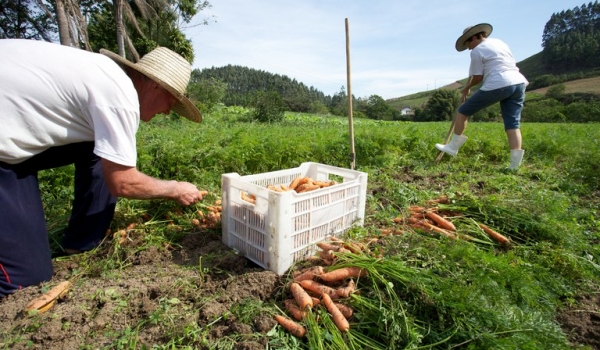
152, 281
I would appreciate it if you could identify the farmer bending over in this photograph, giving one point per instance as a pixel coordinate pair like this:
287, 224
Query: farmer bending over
61, 105
493, 64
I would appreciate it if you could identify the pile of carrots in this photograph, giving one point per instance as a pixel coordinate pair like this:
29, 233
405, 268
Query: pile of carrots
300, 184
319, 285
430, 218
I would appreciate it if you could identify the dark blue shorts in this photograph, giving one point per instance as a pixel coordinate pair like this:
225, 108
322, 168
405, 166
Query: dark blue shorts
511, 100
25, 257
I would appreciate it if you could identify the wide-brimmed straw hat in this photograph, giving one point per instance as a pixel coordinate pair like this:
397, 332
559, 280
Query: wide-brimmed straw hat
469, 32
169, 70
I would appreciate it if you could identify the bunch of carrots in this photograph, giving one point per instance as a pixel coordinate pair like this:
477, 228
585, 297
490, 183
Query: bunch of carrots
300, 184
430, 218
319, 285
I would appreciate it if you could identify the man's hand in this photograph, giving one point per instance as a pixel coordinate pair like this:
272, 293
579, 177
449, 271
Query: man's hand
188, 194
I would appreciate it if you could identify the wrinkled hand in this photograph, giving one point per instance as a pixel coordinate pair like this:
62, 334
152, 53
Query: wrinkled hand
188, 194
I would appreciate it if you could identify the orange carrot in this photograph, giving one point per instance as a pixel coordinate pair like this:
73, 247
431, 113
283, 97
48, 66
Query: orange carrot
318, 288
309, 274
345, 292
340, 321
416, 209
429, 227
327, 246
442, 222
294, 310
343, 273
316, 301
291, 326
326, 254
295, 183
302, 298
345, 310
495, 235
354, 248
48, 299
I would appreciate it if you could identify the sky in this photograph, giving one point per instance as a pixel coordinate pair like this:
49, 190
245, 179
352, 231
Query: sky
396, 47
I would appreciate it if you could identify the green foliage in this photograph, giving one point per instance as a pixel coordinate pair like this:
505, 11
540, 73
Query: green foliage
268, 107
378, 109
556, 91
547, 110
25, 20
571, 37
207, 93
441, 106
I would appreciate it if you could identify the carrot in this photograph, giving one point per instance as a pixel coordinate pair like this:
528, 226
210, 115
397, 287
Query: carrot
354, 248
294, 310
249, 198
316, 301
429, 227
318, 288
295, 183
309, 274
340, 321
398, 220
345, 292
343, 273
306, 187
48, 299
495, 235
325, 255
385, 231
442, 222
327, 246
416, 209
345, 310
291, 326
302, 298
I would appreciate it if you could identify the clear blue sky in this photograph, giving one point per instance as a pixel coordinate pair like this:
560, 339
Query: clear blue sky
397, 47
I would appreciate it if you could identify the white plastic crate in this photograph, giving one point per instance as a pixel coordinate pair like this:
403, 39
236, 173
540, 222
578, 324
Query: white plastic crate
283, 227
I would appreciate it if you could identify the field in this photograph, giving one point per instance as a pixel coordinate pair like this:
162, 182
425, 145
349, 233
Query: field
163, 279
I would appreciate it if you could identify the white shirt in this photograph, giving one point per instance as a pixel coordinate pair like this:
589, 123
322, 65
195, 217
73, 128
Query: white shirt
493, 59
53, 95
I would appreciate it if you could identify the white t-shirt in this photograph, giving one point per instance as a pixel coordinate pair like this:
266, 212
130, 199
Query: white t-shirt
53, 95
493, 59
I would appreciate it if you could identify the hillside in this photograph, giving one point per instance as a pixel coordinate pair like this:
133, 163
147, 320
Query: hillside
533, 68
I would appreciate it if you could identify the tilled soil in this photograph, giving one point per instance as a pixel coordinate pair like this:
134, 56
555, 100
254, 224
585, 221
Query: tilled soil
201, 275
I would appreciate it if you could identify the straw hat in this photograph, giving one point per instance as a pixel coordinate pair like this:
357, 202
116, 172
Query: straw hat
469, 32
169, 70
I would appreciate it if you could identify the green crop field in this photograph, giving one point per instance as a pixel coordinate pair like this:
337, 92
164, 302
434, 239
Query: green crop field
422, 291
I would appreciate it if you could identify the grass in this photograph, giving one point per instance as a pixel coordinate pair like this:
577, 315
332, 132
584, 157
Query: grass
428, 292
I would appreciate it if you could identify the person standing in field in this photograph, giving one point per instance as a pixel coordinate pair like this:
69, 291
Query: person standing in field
492, 65
62, 105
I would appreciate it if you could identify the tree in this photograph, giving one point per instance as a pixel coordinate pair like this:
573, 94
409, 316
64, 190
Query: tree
377, 108
26, 19
441, 106
268, 106
208, 92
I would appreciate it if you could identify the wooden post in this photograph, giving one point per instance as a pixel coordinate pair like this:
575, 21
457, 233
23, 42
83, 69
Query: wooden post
350, 120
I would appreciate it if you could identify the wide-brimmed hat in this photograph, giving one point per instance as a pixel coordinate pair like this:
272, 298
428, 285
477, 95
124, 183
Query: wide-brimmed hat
169, 70
469, 32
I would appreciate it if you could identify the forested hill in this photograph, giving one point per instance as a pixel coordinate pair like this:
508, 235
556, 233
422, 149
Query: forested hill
243, 83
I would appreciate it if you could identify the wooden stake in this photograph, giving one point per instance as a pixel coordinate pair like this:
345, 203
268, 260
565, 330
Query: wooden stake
350, 120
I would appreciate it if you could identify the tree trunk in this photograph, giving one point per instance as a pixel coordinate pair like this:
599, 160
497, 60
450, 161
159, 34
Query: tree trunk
118, 6
63, 24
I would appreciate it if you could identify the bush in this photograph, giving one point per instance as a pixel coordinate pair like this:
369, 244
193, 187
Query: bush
583, 112
547, 110
268, 107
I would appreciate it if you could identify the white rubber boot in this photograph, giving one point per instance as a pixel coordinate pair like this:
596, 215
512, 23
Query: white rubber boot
516, 156
453, 146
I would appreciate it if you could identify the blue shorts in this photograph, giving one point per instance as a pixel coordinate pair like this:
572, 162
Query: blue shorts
511, 100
